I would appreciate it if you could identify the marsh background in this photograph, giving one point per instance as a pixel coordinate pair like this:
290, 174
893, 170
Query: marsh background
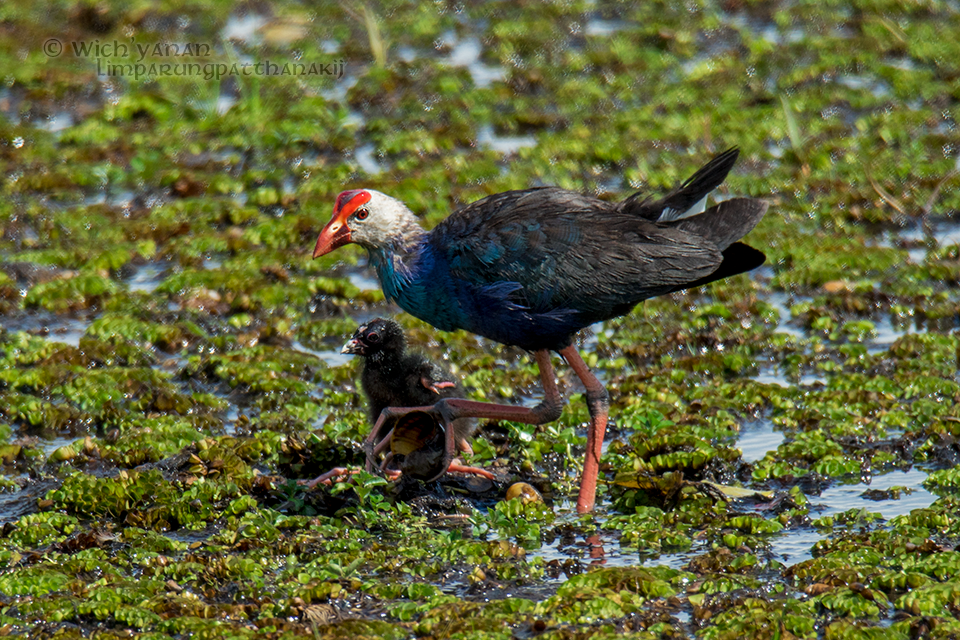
170, 355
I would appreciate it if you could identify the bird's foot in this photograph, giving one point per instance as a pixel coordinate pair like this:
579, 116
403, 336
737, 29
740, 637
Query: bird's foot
384, 466
342, 474
456, 467
337, 474
464, 446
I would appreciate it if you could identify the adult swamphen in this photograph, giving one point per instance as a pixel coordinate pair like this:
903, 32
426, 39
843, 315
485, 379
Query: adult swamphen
395, 377
532, 267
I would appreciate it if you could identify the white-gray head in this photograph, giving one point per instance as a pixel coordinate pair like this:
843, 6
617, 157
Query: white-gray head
369, 218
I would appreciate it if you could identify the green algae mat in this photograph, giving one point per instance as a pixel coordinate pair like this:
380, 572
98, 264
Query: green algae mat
782, 455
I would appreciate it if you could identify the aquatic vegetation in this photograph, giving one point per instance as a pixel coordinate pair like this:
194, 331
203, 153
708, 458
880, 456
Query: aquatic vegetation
782, 455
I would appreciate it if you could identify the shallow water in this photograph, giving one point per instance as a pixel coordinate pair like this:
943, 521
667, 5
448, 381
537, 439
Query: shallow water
887, 333
945, 232
466, 53
601, 550
147, 277
365, 280
503, 144
842, 497
782, 302
795, 545
600, 27
244, 28
57, 122
53, 327
48, 446
230, 419
770, 375
366, 157
757, 438
331, 357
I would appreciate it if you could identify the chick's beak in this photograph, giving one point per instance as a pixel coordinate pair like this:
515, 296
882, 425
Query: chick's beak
353, 347
335, 234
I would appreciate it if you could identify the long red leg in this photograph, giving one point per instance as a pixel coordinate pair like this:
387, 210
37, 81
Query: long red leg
598, 404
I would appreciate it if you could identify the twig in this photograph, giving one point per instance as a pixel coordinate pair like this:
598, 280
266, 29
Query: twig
886, 197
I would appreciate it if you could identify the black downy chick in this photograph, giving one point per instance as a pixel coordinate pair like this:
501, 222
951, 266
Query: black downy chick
393, 377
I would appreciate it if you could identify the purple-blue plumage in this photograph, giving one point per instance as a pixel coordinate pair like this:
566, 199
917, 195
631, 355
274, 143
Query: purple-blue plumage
533, 267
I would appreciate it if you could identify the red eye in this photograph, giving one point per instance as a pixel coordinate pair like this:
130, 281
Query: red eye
373, 337
362, 214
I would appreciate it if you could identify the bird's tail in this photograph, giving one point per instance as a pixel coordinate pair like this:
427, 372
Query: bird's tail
723, 225
737, 258
690, 197
726, 222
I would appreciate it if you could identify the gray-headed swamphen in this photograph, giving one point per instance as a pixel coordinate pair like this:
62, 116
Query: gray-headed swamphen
532, 267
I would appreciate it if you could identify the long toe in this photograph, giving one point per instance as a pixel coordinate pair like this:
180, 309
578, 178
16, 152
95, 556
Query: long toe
456, 467
328, 477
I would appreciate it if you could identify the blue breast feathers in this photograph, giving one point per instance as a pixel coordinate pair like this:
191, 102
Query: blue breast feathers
422, 284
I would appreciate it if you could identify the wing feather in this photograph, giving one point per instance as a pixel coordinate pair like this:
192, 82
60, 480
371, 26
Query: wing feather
559, 250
